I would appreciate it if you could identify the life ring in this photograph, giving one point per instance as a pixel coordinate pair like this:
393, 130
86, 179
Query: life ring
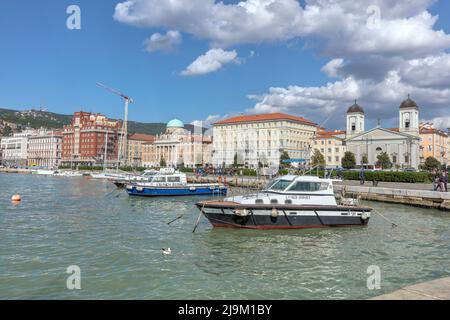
365, 215
241, 212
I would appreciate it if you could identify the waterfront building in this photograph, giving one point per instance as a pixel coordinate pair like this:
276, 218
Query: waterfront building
15, 148
135, 147
177, 147
261, 139
87, 137
44, 148
402, 144
434, 143
331, 145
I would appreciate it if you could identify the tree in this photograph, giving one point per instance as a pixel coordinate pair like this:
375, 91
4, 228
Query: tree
384, 161
317, 159
7, 131
348, 161
284, 156
432, 164
235, 160
162, 163
364, 159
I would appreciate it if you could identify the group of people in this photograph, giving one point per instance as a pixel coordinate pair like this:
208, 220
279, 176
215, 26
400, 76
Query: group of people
441, 181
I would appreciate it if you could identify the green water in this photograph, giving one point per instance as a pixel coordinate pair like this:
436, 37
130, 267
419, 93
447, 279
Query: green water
116, 241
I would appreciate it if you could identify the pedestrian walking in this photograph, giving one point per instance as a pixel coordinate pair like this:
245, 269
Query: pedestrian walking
445, 179
362, 176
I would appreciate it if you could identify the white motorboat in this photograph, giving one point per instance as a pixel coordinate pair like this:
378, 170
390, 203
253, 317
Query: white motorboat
68, 174
288, 202
46, 172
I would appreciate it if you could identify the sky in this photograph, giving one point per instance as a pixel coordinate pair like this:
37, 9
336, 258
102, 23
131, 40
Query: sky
204, 60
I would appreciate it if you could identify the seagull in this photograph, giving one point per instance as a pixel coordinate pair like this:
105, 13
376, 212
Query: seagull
166, 251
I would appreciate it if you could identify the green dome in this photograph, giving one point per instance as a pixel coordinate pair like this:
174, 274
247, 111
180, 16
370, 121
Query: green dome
175, 123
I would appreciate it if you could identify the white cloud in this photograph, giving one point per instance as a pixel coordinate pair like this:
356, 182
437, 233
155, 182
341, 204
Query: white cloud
208, 121
441, 122
211, 61
164, 43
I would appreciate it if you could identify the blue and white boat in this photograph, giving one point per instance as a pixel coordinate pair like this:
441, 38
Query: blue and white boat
172, 183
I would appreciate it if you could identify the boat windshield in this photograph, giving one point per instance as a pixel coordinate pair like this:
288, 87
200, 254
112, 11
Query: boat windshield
279, 185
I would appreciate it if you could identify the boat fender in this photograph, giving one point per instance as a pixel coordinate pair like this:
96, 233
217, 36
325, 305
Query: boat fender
140, 189
365, 215
241, 212
274, 213
129, 187
192, 188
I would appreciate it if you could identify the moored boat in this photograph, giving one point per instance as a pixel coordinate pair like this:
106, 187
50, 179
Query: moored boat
45, 172
289, 202
173, 184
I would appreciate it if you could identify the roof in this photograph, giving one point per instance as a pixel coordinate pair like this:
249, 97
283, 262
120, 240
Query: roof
175, 123
409, 104
329, 134
355, 108
264, 117
142, 137
433, 131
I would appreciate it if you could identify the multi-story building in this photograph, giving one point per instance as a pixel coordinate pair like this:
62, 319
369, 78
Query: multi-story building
87, 137
44, 148
136, 143
178, 147
331, 145
15, 148
255, 140
434, 143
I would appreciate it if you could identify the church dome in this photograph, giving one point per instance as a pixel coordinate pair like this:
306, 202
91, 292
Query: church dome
355, 108
175, 123
409, 104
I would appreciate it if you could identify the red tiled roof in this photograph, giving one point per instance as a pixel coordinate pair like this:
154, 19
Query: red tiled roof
142, 137
432, 130
329, 134
264, 117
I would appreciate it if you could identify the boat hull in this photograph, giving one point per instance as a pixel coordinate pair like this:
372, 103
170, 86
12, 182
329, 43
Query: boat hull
284, 217
174, 191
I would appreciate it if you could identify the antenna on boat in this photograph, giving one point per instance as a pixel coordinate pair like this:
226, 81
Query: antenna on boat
123, 143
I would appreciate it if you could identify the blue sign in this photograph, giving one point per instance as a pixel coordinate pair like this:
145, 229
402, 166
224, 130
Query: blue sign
294, 160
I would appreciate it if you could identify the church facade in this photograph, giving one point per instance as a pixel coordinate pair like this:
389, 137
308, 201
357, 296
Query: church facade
402, 144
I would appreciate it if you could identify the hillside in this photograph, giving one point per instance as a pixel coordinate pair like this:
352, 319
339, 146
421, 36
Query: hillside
18, 120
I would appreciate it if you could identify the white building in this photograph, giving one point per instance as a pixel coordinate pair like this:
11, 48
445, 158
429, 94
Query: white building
15, 148
255, 140
402, 144
177, 147
44, 149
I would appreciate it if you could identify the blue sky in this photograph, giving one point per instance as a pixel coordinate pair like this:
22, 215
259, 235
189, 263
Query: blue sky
44, 63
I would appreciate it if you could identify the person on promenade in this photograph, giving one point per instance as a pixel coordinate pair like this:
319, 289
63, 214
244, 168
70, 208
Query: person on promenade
362, 176
445, 179
438, 183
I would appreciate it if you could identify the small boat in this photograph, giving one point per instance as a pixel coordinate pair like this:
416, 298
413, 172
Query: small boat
289, 202
45, 172
144, 177
108, 176
173, 184
68, 174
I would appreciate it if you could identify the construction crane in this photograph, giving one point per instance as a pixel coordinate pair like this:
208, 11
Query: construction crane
123, 142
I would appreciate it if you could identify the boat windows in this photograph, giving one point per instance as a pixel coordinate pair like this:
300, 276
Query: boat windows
309, 186
173, 179
288, 201
273, 201
259, 201
159, 179
280, 185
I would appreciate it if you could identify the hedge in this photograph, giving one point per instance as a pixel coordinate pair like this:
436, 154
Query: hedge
384, 176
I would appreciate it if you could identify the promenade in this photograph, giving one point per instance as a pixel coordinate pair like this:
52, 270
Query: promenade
432, 290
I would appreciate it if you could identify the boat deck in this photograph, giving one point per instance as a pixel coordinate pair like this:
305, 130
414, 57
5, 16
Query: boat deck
217, 204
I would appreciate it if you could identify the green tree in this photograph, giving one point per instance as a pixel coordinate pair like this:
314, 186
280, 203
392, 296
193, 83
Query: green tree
162, 163
235, 160
284, 156
432, 164
348, 161
7, 131
384, 161
317, 159
364, 159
